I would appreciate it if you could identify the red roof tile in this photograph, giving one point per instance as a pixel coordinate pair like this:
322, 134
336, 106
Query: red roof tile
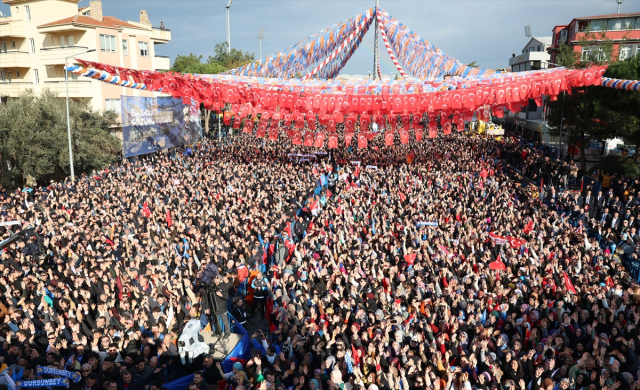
108, 21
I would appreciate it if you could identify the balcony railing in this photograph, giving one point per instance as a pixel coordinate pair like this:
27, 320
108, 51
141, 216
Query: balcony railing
55, 55
14, 27
14, 88
15, 59
161, 29
63, 47
161, 63
77, 88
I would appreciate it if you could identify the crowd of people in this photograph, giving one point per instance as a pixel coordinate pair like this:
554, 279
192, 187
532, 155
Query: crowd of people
372, 268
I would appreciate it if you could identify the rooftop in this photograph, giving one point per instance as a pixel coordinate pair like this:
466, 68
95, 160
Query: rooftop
610, 16
108, 22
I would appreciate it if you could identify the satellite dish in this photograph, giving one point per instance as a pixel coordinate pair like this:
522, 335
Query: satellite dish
527, 31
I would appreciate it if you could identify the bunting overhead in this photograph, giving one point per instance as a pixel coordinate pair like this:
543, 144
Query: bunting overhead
296, 89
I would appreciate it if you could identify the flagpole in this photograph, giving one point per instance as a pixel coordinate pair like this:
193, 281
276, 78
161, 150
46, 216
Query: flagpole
375, 42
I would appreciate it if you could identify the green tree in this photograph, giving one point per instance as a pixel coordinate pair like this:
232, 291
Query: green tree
33, 134
233, 59
193, 64
592, 112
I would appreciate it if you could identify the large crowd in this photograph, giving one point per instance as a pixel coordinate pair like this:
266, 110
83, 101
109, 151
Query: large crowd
372, 268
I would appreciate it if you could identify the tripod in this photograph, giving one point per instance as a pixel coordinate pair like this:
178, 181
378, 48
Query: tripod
218, 345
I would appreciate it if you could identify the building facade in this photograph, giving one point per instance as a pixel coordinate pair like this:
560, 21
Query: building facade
534, 55
39, 34
622, 29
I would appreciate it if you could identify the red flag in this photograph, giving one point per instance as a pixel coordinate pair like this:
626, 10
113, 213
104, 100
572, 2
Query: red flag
582, 184
333, 141
357, 172
567, 282
145, 210
288, 229
308, 139
273, 134
362, 141
484, 173
609, 281
404, 137
168, 218
297, 138
402, 197
348, 137
319, 142
339, 210
314, 171
410, 258
388, 138
329, 194
497, 265
418, 135
529, 227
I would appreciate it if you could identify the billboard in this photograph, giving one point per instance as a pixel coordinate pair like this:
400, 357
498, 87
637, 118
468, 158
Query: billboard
151, 124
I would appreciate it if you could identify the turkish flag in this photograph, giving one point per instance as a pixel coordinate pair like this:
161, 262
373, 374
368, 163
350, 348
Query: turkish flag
497, 265
348, 137
287, 120
365, 120
248, 126
433, 132
168, 218
226, 119
319, 142
236, 122
446, 128
299, 121
308, 139
528, 228
145, 210
404, 137
393, 121
311, 121
297, 138
484, 173
262, 131
405, 121
350, 123
388, 138
567, 282
410, 258
273, 134
418, 135
362, 141
331, 125
403, 197
333, 141
415, 123
460, 124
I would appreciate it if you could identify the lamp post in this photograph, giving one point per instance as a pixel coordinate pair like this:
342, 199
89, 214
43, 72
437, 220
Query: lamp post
228, 6
561, 117
261, 32
66, 84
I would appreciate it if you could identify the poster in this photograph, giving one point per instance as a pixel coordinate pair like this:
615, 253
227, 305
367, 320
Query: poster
153, 124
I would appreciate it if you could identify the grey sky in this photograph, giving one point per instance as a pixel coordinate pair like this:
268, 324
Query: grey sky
469, 30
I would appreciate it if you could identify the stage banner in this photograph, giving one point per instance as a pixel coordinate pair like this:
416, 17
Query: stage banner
153, 124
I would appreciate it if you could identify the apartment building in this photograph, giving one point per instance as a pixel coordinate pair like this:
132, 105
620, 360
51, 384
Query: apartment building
39, 34
622, 29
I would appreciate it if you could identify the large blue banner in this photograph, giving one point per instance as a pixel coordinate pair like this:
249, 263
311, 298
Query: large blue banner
153, 124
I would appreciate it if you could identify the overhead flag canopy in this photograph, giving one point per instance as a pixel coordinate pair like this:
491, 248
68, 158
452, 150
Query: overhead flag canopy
296, 89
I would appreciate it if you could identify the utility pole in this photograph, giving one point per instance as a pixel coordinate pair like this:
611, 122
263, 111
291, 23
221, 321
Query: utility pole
375, 42
228, 6
619, 4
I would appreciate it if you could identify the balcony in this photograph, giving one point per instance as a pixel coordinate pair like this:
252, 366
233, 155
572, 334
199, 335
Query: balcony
160, 36
15, 59
14, 89
531, 56
55, 55
12, 28
161, 63
77, 88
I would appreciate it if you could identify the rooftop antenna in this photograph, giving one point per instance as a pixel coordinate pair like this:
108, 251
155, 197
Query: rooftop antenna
619, 4
228, 27
527, 31
261, 32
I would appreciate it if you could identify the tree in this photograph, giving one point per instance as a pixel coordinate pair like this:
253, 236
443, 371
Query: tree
231, 60
192, 64
594, 111
33, 133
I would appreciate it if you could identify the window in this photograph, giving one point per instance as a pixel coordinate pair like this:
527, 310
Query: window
593, 54
598, 25
4, 47
13, 44
9, 76
539, 49
621, 24
2, 79
112, 105
107, 43
70, 41
36, 77
144, 49
125, 47
61, 41
625, 52
17, 74
563, 36
32, 45
27, 12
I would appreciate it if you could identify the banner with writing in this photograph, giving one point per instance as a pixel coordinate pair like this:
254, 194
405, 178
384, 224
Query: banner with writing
74, 376
56, 382
153, 124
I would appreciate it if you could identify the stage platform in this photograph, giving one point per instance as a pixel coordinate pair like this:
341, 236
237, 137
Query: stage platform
223, 347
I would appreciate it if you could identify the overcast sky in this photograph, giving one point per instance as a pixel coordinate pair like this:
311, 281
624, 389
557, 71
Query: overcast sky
486, 31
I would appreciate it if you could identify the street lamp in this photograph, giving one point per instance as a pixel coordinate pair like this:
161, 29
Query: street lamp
261, 32
66, 83
228, 26
561, 117
619, 4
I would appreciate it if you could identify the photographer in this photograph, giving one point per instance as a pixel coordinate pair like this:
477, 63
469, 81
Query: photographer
220, 292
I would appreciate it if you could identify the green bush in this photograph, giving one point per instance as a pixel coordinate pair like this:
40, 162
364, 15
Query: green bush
619, 165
